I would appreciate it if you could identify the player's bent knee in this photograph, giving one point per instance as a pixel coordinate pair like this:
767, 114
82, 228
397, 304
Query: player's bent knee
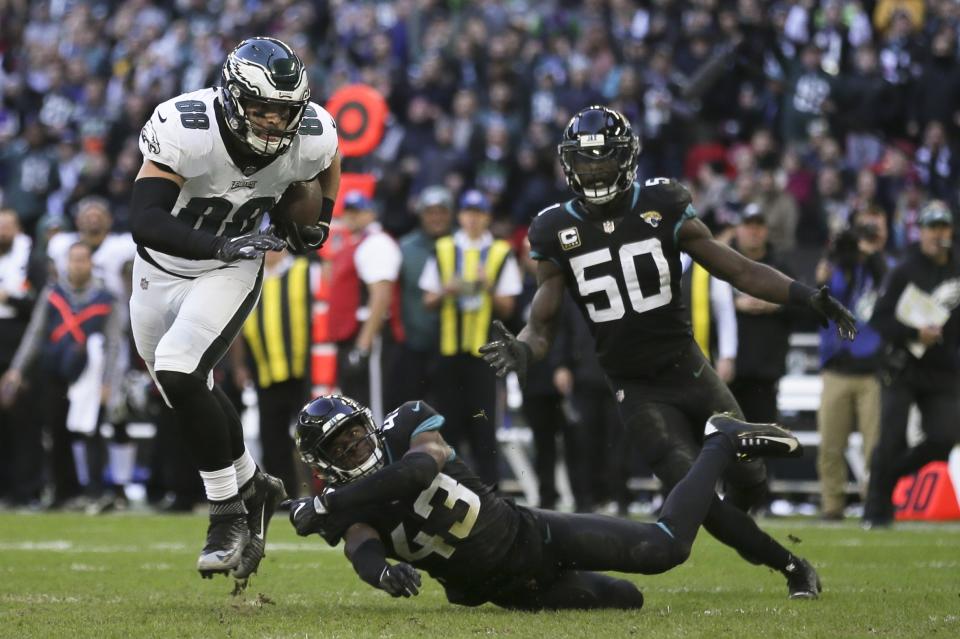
669, 554
623, 595
179, 387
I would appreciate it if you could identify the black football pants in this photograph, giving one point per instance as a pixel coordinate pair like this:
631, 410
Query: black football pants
666, 415
575, 545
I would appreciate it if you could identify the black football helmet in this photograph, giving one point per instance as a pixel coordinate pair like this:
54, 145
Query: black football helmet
599, 154
265, 71
320, 439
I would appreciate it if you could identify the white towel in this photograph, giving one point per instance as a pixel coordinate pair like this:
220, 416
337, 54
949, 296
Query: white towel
84, 394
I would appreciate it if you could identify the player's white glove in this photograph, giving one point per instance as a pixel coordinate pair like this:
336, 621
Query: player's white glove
248, 247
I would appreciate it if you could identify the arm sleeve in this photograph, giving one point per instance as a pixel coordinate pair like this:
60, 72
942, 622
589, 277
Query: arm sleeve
400, 480
721, 297
153, 226
33, 337
369, 561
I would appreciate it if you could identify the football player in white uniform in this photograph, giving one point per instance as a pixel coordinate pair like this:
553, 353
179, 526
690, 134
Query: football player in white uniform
215, 161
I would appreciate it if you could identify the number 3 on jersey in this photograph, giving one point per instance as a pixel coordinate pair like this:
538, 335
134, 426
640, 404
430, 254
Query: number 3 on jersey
456, 492
609, 286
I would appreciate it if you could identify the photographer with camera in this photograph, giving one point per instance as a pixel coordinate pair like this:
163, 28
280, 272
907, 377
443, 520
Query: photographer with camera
918, 319
854, 270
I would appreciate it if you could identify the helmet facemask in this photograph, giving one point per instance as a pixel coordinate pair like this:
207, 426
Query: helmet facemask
599, 168
342, 447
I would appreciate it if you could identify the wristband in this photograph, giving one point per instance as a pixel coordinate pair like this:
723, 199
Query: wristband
370, 560
800, 293
326, 211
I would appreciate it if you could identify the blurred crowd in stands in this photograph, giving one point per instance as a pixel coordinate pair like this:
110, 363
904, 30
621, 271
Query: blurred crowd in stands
829, 116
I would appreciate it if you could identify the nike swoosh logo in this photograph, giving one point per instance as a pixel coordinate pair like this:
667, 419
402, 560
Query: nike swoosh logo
416, 408
263, 513
298, 509
160, 116
700, 370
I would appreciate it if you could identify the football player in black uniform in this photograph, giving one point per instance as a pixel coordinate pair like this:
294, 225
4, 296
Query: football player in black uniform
399, 490
616, 246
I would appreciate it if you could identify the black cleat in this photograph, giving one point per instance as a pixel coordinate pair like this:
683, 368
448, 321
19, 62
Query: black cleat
227, 536
755, 440
802, 580
264, 496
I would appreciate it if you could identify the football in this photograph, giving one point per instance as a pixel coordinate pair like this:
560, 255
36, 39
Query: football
300, 203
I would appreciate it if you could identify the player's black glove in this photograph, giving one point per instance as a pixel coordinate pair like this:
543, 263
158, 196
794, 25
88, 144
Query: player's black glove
507, 353
400, 580
308, 515
828, 308
302, 239
247, 247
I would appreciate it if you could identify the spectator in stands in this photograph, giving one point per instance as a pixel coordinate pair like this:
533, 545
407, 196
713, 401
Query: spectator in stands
922, 362
416, 360
31, 175
74, 334
936, 164
779, 210
854, 270
808, 96
110, 250
364, 311
471, 280
762, 328
21, 452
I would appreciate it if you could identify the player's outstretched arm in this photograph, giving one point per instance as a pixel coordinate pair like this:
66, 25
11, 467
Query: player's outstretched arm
760, 280
365, 550
402, 479
508, 352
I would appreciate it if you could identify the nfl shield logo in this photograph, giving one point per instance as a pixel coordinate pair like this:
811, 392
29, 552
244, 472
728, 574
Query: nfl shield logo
620, 395
608, 226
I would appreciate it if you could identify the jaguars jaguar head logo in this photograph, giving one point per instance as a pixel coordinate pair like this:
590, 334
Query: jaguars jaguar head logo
652, 218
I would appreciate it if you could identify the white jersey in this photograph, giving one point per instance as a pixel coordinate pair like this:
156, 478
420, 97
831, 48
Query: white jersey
116, 250
218, 196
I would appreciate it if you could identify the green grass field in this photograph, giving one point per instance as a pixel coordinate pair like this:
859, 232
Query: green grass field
132, 576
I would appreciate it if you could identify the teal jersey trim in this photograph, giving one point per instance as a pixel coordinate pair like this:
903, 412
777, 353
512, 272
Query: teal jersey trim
568, 207
666, 529
636, 195
452, 455
432, 423
537, 256
688, 213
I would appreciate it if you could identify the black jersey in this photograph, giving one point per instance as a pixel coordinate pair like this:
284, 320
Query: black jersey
624, 275
457, 529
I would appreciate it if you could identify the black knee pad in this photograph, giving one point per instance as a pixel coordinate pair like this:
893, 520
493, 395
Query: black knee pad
665, 553
624, 595
179, 387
